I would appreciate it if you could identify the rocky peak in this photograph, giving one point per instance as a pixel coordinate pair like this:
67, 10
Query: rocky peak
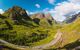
72, 18
42, 18
38, 15
48, 16
16, 13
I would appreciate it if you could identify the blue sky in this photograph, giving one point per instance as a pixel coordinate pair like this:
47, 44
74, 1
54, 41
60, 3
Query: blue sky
28, 4
59, 9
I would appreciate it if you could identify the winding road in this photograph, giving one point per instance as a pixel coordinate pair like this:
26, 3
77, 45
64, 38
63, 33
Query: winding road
41, 47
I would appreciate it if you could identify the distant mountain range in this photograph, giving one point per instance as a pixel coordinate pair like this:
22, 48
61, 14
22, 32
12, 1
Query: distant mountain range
72, 18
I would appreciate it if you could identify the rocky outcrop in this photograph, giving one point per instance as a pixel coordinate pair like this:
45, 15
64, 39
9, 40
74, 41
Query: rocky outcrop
17, 14
37, 18
72, 18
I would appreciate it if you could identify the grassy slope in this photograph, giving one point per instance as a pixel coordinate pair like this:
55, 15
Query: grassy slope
71, 33
52, 32
19, 30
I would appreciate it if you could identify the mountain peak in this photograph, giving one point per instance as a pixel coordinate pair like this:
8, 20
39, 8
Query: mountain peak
72, 18
17, 13
16, 7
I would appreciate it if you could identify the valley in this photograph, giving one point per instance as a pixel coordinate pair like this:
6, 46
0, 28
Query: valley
20, 31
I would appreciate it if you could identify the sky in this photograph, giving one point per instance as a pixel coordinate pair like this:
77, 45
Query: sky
57, 8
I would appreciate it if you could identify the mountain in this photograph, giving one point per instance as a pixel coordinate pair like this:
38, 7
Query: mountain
70, 39
72, 32
41, 19
18, 28
72, 18
17, 14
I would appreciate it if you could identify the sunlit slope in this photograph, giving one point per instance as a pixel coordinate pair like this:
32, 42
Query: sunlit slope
70, 36
71, 32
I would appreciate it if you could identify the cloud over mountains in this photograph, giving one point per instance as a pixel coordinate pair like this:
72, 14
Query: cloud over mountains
1, 11
64, 8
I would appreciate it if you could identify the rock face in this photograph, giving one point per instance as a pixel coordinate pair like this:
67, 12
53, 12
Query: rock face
17, 14
42, 18
48, 16
72, 18
38, 15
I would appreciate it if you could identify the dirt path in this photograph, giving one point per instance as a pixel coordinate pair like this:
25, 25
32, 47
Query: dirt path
54, 41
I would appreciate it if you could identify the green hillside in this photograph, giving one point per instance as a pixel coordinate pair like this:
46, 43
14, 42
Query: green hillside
71, 36
18, 28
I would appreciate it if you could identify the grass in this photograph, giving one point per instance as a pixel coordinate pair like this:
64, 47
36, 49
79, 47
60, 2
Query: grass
71, 33
20, 31
51, 33
46, 40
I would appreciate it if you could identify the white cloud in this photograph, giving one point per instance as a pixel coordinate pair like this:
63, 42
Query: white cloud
31, 13
46, 9
63, 9
37, 5
51, 11
75, 1
51, 1
27, 12
1, 11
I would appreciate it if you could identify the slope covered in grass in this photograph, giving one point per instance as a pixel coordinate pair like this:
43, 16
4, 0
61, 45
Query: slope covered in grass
70, 36
18, 28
